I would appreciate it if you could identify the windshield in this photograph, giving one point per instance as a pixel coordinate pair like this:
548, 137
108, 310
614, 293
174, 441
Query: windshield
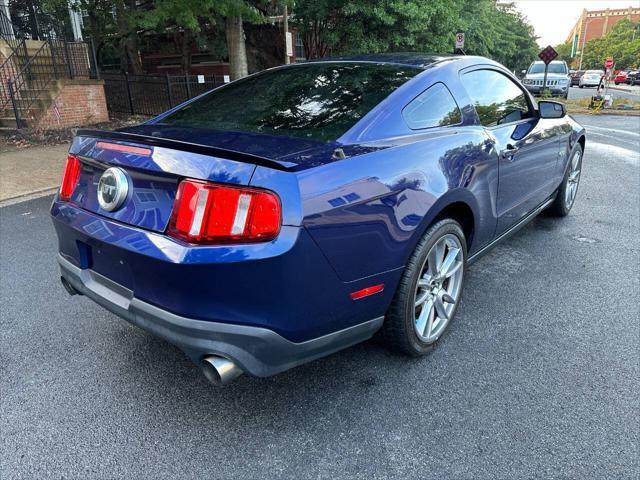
554, 67
317, 100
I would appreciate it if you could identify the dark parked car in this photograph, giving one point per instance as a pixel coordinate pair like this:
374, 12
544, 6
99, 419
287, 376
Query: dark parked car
575, 77
632, 77
300, 210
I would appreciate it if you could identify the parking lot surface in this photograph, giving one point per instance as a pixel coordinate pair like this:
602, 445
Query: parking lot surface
537, 377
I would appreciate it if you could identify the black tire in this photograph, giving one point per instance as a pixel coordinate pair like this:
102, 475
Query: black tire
559, 207
581, 86
398, 330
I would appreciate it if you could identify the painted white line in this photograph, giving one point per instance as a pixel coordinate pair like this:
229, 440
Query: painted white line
636, 144
615, 152
613, 130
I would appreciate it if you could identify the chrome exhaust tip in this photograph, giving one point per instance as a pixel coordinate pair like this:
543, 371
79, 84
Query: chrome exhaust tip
219, 370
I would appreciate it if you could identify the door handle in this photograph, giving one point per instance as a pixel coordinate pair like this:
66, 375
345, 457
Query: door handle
509, 152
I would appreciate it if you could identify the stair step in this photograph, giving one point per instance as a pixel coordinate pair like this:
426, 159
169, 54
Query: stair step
8, 125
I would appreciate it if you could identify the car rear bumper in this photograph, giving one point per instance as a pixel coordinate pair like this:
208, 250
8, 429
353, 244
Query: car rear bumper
258, 351
285, 286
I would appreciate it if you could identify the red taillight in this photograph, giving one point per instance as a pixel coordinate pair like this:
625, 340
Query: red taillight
210, 213
70, 177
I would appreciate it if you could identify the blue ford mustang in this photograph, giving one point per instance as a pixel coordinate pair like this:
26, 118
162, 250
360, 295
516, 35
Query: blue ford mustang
300, 210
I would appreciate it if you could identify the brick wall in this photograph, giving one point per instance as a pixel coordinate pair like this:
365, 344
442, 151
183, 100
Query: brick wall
598, 23
80, 103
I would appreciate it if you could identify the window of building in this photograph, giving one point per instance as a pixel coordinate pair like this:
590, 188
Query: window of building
299, 48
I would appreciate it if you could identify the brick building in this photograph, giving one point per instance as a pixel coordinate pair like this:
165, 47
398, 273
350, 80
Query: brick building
597, 23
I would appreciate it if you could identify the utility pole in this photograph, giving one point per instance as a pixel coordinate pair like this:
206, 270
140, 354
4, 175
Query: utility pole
285, 21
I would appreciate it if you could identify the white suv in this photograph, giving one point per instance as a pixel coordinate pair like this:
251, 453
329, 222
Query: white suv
558, 80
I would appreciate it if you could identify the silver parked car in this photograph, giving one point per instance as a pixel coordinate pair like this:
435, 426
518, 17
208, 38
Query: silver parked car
591, 78
558, 80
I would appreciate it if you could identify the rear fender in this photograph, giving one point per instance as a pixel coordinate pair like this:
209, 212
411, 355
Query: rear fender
457, 195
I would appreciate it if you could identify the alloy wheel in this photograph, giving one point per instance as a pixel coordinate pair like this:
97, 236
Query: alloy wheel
438, 288
572, 180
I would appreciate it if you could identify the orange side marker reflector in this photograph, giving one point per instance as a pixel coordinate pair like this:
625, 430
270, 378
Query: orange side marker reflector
365, 292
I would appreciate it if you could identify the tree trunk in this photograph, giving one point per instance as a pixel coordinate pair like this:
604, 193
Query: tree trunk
128, 46
186, 50
236, 47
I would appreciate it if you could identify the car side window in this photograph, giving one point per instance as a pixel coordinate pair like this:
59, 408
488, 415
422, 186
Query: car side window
496, 97
435, 107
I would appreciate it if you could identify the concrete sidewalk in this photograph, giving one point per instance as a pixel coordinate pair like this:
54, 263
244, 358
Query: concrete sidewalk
31, 170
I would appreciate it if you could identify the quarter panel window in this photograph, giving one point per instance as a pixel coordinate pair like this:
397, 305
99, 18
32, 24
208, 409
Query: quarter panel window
496, 98
435, 107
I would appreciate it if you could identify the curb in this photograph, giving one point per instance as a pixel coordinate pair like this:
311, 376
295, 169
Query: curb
28, 196
628, 90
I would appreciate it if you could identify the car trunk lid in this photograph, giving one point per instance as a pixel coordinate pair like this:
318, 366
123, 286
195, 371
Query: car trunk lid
153, 167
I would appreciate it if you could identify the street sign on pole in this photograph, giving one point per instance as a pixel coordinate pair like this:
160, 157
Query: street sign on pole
289, 44
459, 44
608, 67
547, 55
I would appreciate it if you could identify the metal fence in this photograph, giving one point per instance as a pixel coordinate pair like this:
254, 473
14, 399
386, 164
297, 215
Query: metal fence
154, 94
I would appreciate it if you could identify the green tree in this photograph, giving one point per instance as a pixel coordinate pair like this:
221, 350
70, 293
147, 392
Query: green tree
370, 26
622, 43
191, 17
364, 26
112, 24
564, 52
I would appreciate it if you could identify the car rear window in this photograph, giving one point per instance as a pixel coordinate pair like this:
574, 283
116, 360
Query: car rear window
316, 100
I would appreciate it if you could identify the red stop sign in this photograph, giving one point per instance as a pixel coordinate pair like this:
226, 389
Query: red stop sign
608, 63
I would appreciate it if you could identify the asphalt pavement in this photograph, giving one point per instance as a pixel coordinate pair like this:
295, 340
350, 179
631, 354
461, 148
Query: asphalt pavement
538, 376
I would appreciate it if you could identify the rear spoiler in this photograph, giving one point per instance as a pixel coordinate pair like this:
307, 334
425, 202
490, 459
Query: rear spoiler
184, 146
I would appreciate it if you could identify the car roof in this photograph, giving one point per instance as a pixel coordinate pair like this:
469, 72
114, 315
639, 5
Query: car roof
409, 59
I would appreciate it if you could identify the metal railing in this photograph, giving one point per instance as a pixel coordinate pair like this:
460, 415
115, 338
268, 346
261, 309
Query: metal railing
53, 61
16, 42
154, 94
7, 72
27, 78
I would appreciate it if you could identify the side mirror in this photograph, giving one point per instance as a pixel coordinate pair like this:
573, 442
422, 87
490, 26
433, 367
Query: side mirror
524, 72
550, 109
